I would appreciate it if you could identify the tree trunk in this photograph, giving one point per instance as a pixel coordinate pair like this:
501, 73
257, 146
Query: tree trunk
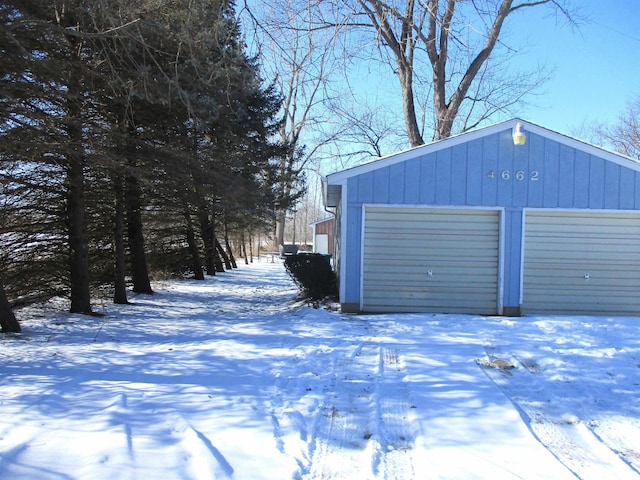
281, 217
206, 233
223, 254
243, 246
218, 255
7, 318
198, 273
119, 255
74, 189
76, 207
210, 256
405, 74
431, 26
139, 270
403, 47
227, 246
77, 231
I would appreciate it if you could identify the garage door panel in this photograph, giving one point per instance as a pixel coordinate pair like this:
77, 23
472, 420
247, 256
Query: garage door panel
406, 302
600, 305
412, 305
568, 285
422, 259
582, 262
419, 283
572, 247
604, 254
415, 246
586, 219
565, 295
437, 265
484, 274
441, 292
601, 272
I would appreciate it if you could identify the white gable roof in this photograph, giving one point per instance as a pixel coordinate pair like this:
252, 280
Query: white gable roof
528, 127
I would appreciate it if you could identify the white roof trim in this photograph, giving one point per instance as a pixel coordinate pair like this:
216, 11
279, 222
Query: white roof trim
341, 176
312, 224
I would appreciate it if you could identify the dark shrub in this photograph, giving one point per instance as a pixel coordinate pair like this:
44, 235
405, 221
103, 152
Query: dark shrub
313, 275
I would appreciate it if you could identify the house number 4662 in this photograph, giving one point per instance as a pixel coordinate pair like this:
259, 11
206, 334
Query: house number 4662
519, 175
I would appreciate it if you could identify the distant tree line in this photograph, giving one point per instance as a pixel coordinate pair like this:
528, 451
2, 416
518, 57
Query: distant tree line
136, 139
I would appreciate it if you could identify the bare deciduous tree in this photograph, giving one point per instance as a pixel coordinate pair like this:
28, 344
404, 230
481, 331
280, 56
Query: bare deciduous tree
450, 57
624, 136
458, 37
302, 59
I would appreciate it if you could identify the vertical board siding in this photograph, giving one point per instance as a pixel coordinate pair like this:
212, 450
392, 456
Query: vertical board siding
551, 178
366, 187
427, 180
566, 167
627, 191
555, 176
536, 163
611, 182
474, 173
459, 175
433, 260
581, 176
520, 190
489, 160
490, 172
596, 183
353, 245
325, 226
381, 180
506, 187
411, 181
443, 175
582, 262
397, 183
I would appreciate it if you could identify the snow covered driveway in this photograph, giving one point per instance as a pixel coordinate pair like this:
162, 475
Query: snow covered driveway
228, 378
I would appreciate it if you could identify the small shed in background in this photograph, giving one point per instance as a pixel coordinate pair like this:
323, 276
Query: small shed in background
508, 219
323, 236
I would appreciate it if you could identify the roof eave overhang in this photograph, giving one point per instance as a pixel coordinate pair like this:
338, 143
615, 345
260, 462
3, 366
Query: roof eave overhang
339, 178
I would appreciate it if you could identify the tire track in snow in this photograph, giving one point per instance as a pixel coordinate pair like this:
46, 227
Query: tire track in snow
363, 430
341, 447
622, 436
569, 438
395, 435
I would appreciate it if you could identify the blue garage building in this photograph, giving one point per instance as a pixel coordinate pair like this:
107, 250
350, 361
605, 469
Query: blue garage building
508, 219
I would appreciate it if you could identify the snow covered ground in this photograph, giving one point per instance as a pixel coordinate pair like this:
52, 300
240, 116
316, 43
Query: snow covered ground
230, 378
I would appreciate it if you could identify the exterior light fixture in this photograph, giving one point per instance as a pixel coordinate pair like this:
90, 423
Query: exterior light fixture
518, 135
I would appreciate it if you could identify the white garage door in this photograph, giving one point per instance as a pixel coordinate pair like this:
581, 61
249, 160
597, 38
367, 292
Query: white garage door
430, 260
581, 262
321, 243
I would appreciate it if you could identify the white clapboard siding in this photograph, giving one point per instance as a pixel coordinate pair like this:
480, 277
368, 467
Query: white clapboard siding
430, 260
581, 262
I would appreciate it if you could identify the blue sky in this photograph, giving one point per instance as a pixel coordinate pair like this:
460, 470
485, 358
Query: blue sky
597, 67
